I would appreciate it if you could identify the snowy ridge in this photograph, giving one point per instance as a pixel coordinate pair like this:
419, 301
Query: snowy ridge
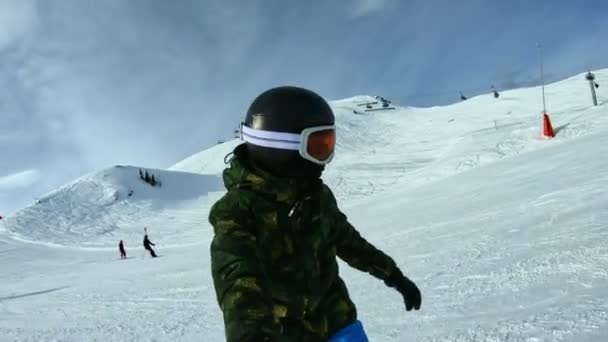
103, 207
210, 161
455, 138
503, 230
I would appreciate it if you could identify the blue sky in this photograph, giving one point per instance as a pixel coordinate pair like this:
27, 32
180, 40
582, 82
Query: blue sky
87, 84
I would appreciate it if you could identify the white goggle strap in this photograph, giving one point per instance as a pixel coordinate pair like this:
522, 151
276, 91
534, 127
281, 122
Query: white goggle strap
280, 140
285, 141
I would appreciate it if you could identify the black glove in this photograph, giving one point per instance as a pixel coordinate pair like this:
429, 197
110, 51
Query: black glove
407, 288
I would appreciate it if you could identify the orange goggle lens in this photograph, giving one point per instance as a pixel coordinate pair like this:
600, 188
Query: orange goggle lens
321, 145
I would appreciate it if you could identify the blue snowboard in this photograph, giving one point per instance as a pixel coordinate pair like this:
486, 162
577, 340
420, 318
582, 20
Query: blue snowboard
352, 333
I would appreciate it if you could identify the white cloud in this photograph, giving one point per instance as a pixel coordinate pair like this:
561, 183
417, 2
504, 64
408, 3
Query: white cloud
17, 17
19, 180
365, 7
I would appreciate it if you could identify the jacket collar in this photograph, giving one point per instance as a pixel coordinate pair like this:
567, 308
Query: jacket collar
241, 174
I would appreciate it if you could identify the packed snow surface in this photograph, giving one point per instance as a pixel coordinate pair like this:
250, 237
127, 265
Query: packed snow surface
504, 231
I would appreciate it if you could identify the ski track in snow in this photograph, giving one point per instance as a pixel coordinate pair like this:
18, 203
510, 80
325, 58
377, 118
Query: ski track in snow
503, 230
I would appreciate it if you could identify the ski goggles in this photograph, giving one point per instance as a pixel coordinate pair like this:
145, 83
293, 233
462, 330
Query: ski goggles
315, 144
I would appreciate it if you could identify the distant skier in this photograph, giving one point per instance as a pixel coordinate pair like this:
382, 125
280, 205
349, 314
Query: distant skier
121, 248
496, 94
278, 231
148, 243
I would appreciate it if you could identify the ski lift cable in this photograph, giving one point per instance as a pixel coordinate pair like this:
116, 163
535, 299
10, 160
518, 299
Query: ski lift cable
467, 90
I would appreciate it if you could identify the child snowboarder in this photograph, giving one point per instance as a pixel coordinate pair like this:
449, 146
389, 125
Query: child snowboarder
121, 248
148, 243
278, 231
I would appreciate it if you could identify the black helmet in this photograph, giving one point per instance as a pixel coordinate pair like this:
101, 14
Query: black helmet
276, 119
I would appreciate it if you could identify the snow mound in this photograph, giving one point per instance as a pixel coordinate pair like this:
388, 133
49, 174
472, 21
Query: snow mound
103, 207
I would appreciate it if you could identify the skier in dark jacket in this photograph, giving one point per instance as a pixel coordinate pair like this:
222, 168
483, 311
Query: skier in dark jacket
121, 248
278, 231
148, 243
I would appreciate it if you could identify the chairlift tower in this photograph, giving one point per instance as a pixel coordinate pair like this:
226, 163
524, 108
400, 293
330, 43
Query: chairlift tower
591, 78
238, 132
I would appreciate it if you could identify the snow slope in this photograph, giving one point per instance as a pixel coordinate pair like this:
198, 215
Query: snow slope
209, 161
99, 209
414, 146
504, 231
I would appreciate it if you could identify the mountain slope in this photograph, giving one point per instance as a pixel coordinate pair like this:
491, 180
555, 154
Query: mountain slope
503, 230
99, 209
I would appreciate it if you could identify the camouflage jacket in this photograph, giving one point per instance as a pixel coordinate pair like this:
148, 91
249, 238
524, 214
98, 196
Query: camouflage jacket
273, 258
